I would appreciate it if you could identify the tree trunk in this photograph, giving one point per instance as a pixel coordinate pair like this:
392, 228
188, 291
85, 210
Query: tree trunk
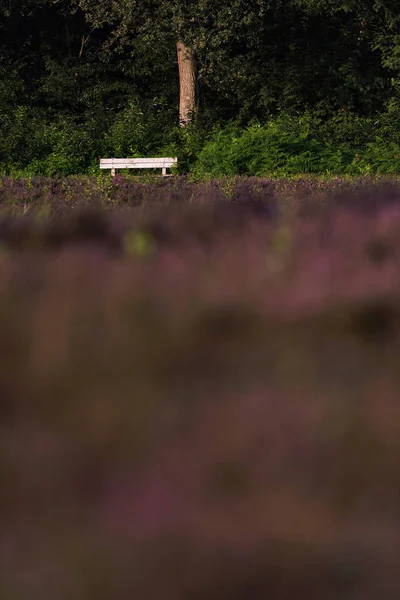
187, 83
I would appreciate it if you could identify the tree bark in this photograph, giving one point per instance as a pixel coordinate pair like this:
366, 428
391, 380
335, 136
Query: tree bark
187, 83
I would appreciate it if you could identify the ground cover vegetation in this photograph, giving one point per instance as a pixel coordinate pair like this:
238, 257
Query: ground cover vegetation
199, 388
277, 87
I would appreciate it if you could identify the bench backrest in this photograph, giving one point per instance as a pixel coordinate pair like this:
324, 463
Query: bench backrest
137, 163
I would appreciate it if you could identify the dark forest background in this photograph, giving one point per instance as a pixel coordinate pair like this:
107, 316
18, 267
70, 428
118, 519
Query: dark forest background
283, 87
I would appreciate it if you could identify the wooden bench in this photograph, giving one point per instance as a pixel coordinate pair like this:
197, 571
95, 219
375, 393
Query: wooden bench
138, 163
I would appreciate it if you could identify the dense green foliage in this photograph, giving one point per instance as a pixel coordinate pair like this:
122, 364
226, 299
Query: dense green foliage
317, 82
290, 146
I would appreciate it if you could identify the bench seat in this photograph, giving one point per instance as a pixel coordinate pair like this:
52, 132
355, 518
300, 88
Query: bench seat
138, 163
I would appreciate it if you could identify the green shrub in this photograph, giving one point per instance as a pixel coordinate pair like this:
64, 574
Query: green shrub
34, 142
38, 144
65, 147
275, 149
291, 145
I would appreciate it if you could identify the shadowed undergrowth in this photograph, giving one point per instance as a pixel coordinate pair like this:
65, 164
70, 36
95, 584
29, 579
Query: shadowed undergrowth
199, 399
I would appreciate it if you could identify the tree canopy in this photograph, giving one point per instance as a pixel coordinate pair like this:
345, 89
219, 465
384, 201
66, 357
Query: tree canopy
99, 76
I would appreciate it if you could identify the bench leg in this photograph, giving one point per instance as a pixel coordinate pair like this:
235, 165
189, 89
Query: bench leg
164, 171
112, 172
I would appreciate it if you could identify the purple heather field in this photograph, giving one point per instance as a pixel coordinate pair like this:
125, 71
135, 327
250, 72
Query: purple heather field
199, 389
